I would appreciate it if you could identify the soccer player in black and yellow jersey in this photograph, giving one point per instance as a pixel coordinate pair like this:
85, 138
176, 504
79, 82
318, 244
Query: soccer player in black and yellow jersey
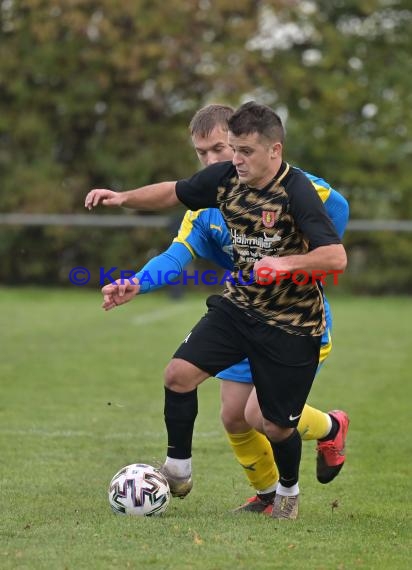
277, 328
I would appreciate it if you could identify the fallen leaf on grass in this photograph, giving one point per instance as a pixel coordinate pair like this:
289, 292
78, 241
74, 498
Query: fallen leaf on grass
197, 539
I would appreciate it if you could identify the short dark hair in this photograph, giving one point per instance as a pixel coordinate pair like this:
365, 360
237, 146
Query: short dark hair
253, 118
209, 117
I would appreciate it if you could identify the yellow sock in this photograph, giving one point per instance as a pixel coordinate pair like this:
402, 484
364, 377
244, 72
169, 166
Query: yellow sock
254, 453
313, 423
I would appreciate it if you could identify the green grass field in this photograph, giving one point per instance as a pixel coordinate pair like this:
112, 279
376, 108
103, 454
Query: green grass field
82, 396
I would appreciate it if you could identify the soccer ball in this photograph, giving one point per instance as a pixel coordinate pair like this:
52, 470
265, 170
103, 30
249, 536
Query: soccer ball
140, 490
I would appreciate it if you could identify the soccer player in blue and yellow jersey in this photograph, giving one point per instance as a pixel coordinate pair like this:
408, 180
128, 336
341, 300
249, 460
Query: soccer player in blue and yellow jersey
204, 234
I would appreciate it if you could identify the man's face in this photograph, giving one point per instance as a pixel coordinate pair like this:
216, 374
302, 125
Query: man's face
256, 159
212, 148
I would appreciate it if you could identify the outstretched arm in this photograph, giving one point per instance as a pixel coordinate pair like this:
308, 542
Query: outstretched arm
151, 197
163, 268
119, 292
157, 272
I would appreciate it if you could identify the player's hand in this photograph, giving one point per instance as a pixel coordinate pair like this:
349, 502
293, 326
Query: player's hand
104, 197
119, 292
268, 268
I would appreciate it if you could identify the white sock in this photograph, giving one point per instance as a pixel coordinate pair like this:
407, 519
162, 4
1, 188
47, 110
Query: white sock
287, 491
179, 467
270, 489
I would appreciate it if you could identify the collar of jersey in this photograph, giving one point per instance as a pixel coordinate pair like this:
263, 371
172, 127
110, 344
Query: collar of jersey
279, 176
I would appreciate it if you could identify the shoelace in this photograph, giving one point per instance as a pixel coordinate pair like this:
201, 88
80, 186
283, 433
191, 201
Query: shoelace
286, 505
328, 447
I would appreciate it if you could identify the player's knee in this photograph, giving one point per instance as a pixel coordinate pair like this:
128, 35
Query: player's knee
181, 376
233, 420
174, 376
276, 433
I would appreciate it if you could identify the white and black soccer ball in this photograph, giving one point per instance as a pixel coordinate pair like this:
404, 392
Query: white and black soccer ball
140, 490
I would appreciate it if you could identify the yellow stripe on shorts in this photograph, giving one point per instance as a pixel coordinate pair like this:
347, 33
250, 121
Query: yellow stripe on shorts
325, 349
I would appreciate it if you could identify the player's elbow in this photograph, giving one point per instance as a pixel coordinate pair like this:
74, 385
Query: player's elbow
340, 259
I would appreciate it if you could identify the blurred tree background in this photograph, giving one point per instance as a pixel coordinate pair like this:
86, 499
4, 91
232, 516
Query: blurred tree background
99, 94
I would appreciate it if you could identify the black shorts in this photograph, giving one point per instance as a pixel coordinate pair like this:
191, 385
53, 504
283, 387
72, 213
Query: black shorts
283, 365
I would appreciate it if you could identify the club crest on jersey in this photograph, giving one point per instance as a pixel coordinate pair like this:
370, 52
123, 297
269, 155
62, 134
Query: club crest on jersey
268, 218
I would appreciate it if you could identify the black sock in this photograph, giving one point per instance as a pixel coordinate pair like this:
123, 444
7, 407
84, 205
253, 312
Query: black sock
266, 497
180, 414
333, 430
287, 456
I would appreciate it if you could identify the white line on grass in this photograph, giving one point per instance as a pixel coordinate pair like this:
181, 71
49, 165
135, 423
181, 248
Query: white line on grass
88, 434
